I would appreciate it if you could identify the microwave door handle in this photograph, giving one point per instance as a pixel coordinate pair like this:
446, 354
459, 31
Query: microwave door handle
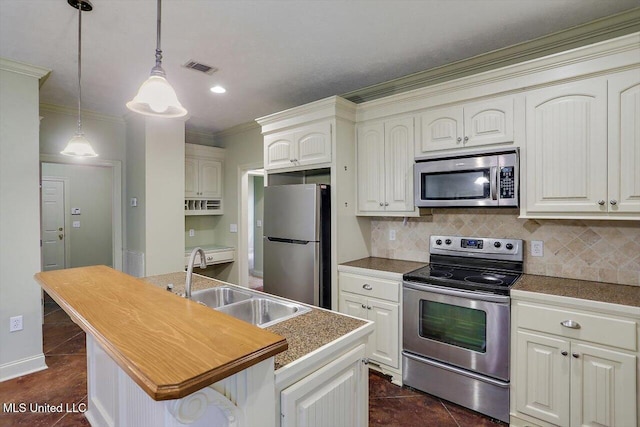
494, 183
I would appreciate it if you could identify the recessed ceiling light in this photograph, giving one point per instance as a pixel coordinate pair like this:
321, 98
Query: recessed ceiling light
218, 89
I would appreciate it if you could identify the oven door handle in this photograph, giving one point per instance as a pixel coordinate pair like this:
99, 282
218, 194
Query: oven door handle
481, 296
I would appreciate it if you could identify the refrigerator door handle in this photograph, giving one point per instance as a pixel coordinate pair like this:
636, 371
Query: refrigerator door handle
295, 242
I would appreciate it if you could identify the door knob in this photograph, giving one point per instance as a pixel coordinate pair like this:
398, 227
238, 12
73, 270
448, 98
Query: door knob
613, 202
564, 353
466, 138
459, 139
60, 236
60, 229
576, 355
601, 202
364, 306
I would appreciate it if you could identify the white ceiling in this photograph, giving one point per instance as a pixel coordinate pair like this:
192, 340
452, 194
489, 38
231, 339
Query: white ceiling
271, 54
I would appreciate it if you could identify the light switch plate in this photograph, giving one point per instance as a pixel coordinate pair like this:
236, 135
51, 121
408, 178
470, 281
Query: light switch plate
75, 211
192, 232
233, 228
537, 248
392, 235
259, 223
134, 202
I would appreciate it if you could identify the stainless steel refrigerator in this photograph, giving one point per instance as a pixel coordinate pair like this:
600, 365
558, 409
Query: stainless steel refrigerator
297, 243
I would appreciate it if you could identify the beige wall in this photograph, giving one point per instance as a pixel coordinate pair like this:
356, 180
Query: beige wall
258, 215
20, 352
89, 188
607, 251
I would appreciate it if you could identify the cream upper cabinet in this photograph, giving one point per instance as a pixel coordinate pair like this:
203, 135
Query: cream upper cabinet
468, 125
304, 146
583, 149
385, 167
624, 142
203, 179
570, 369
566, 148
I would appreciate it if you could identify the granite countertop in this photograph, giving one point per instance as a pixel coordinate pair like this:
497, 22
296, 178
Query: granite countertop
595, 291
385, 264
304, 333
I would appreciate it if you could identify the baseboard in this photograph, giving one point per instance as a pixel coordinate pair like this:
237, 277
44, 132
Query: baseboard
22, 367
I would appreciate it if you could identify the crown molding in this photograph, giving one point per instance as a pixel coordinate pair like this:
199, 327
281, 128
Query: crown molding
39, 73
596, 31
244, 127
86, 114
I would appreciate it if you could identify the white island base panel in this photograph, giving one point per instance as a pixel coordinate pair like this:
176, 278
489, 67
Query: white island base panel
114, 399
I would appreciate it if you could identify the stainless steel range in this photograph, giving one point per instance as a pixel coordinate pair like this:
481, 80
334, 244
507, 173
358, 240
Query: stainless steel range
456, 322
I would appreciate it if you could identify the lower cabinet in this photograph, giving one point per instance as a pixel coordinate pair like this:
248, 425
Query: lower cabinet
564, 375
376, 299
334, 395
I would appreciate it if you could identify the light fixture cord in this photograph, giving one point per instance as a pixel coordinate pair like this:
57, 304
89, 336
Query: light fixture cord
79, 68
158, 49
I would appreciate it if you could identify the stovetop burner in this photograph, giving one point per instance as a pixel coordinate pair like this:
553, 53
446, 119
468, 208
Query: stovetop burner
474, 264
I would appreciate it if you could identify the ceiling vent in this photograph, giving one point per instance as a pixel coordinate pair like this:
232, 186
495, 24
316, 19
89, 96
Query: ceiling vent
198, 66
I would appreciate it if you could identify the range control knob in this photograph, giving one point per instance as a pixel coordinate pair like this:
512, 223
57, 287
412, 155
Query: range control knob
509, 246
497, 244
438, 242
448, 241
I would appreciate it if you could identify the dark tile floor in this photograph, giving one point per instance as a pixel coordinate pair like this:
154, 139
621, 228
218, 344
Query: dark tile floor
66, 382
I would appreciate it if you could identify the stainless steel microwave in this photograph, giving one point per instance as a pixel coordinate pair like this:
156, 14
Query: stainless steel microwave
473, 180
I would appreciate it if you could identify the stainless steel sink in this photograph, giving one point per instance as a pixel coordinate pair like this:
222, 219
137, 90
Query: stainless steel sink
264, 311
220, 296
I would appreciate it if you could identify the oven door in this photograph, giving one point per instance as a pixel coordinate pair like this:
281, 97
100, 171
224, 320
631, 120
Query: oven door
465, 329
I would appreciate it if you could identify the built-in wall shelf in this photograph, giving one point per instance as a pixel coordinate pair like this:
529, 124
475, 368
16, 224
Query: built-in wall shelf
203, 207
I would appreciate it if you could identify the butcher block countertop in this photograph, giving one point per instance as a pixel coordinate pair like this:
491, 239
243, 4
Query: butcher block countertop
169, 346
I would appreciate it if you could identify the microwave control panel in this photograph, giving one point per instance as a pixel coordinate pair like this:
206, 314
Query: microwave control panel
507, 183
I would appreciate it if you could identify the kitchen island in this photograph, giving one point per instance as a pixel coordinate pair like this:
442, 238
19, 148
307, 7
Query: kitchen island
154, 357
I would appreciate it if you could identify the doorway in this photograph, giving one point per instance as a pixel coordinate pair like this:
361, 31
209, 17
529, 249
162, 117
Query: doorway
250, 209
91, 208
54, 226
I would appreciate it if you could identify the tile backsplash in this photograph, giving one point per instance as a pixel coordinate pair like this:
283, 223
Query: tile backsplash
606, 251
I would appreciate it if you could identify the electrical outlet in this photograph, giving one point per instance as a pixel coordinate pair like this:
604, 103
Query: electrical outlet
392, 234
537, 248
192, 232
15, 323
233, 228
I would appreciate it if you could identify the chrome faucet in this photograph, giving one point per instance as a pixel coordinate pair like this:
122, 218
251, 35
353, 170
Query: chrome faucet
192, 260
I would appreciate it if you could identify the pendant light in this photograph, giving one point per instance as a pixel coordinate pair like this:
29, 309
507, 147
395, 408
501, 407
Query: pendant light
79, 146
156, 97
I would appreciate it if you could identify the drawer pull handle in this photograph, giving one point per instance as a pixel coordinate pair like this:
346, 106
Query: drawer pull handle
572, 324
367, 286
564, 353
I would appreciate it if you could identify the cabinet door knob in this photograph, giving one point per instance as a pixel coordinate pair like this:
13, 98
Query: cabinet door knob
459, 139
367, 286
575, 355
601, 202
368, 307
364, 306
572, 324
386, 203
466, 138
381, 204
60, 236
564, 353
613, 202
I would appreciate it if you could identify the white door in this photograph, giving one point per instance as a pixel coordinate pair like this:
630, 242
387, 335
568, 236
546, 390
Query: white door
53, 232
624, 142
313, 144
566, 129
441, 130
191, 177
398, 149
371, 173
278, 151
488, 122
384, 343
542, 377
210, 178
603, 387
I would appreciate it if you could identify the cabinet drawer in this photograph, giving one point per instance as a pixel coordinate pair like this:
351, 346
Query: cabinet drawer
370, 286
594, 327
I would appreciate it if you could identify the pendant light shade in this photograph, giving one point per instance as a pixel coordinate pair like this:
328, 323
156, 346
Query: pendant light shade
156, 97
79, 146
